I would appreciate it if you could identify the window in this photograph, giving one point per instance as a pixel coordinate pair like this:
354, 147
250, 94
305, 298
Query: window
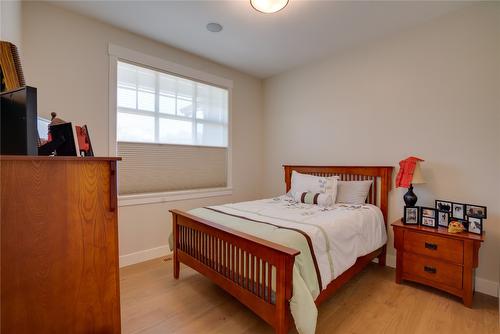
155, 107
172, 132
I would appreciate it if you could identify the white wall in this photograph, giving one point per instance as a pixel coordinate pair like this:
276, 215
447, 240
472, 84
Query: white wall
10, 22
432, 91
66, 58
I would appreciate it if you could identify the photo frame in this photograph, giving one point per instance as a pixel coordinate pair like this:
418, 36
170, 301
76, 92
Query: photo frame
445, 206
443, 218
411, 215
475, 225
428, 217
458, 211
475, 211
464, 222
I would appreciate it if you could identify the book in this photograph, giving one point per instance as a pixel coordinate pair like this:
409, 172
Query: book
83, 141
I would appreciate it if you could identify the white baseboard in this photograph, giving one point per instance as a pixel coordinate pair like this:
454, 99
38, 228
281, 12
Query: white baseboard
482, 285
390, 260
487, 287
145, 255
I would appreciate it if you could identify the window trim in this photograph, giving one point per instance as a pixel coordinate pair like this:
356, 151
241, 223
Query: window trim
117, 53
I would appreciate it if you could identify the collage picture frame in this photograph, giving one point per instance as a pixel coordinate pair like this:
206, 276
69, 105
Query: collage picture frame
470, 215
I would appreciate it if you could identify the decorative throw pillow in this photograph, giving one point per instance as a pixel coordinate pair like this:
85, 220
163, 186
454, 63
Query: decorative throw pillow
302, 183
353, 192
321, 199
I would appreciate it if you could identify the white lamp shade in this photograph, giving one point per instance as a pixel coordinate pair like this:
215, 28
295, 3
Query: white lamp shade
418, 178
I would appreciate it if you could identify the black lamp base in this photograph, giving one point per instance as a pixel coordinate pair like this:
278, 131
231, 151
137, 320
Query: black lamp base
410, 197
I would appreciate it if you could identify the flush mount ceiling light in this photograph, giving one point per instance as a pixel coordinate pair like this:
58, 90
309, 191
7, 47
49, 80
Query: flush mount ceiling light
268, 6
214, 27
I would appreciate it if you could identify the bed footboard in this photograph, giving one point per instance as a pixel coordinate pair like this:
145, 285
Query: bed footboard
255, 271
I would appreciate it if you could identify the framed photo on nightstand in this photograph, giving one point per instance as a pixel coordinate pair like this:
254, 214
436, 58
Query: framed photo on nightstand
458, 211
411, 215
475, 225
443, 218
428, 217
443, 205
476, 211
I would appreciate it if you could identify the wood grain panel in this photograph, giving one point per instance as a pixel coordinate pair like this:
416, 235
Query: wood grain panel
434, 246
59, 247
433, 270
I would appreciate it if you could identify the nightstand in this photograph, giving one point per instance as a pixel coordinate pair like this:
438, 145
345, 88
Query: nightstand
434, 257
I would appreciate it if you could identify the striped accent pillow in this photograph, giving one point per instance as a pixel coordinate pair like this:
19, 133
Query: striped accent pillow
321, 199
309, 198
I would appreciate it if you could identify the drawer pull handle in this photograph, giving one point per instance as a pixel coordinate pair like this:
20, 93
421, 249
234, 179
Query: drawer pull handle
430, 246
430, 270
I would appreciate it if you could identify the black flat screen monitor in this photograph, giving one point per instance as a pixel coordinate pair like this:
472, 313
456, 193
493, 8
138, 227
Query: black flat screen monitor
18, 122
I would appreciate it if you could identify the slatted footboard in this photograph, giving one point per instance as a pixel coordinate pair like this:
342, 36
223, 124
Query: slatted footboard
255, 271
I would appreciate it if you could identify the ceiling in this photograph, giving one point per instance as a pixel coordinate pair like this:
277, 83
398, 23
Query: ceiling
263, 44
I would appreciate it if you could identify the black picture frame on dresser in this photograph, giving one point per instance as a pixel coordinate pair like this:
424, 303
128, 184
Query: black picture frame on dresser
411, 215
443, 218
476, 211
475, 225
458, 211
464, 222
443, 205
428, 217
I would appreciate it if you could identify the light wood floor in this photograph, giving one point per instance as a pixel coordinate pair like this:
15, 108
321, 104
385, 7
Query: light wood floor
153, 302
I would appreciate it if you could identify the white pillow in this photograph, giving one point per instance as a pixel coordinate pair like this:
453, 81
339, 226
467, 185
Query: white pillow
353, 192
321, 199
302, 183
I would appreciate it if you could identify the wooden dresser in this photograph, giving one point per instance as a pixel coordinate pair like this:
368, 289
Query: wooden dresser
437, 258
59, 244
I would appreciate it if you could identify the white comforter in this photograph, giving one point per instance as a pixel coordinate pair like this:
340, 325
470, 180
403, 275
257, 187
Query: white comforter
339, 234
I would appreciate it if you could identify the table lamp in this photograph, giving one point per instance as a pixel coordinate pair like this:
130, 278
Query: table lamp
408, 175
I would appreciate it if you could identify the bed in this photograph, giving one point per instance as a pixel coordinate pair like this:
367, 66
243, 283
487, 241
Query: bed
282, 259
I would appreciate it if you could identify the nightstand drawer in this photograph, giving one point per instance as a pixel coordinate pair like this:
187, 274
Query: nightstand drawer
433, 270
434, 246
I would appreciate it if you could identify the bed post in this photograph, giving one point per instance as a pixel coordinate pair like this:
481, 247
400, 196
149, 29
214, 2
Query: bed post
288, 177
175, 231
384, 204
284, 282
239, 263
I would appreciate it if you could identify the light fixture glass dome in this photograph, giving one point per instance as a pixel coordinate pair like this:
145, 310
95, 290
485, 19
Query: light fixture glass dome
268, 6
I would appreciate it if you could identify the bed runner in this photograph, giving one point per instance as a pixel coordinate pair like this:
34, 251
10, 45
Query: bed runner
308, 239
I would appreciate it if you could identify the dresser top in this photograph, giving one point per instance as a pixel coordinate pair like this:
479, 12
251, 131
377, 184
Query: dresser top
57, 158
441, 231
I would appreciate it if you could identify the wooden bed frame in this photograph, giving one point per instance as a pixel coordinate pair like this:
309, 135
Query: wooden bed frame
243, 265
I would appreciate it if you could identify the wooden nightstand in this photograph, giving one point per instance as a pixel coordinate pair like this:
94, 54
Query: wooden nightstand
437, 258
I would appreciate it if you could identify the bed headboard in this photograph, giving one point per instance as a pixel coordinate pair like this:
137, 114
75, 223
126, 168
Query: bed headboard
381, 176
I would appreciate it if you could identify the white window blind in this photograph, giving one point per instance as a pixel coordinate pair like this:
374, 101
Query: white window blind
172, 132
